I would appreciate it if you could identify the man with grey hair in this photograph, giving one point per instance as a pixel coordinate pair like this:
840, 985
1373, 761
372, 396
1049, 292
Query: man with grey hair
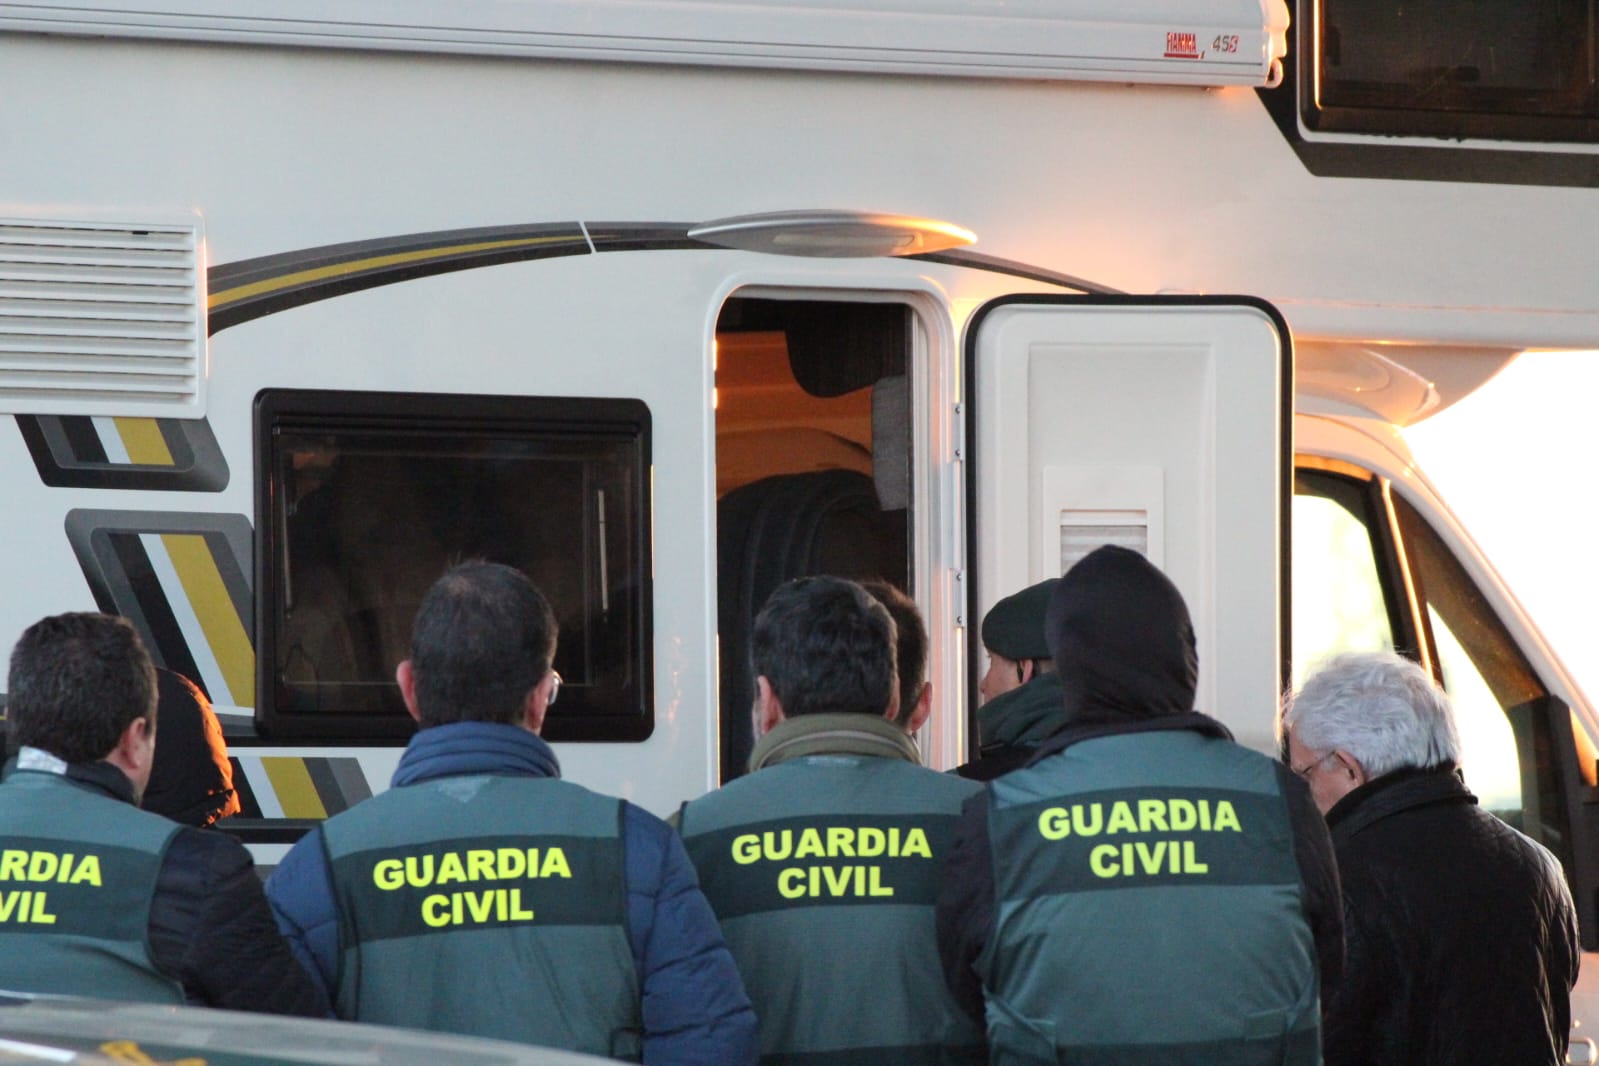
1460, 935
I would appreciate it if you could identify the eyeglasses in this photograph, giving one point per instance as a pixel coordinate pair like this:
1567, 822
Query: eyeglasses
555, 688
1306, 770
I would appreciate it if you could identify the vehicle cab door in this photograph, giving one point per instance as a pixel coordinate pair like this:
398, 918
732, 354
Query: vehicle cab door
1161, 424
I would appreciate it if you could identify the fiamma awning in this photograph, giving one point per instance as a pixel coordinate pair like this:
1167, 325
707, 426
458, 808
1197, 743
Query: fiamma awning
1184, 42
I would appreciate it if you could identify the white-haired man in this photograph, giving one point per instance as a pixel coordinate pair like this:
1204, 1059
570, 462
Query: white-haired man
1460, 934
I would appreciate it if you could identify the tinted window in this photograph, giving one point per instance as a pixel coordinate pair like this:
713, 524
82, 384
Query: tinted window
366, 498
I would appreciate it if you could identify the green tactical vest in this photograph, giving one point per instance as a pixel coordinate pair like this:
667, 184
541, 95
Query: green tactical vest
1148, 908
77, 876
487, 905
822, 871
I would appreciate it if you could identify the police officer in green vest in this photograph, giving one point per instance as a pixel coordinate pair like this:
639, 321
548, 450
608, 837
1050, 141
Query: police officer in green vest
99, 898
822, 863
482, 894
1144, 890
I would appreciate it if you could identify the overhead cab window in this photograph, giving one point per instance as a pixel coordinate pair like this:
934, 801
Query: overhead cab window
365, 499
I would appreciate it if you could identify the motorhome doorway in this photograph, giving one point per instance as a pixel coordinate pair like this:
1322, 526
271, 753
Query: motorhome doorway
813, 463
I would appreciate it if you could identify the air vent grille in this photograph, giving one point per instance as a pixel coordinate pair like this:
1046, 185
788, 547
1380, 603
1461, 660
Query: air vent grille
101, 318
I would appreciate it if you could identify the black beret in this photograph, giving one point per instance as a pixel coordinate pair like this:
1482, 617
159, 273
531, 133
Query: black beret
1014, 627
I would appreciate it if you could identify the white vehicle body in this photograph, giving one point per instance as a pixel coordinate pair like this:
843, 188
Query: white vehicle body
381, 208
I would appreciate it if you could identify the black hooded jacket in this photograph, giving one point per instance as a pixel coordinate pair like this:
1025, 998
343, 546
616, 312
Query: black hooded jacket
1461, 937
1125, 657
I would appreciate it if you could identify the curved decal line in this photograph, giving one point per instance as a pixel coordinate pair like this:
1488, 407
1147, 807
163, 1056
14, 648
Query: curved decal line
252, 288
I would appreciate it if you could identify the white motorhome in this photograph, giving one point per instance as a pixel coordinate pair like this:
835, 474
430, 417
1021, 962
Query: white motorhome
294, 308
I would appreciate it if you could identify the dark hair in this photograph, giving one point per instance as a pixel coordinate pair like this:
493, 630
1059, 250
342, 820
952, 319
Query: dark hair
824, 645
483, 638
910, 644
77, 681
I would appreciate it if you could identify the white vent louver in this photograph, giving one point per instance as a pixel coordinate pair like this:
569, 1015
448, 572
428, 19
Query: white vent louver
101, 318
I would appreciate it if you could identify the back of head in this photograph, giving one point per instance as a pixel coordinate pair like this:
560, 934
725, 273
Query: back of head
1014, 627
1122, 639
1381, 708
191, 780
483, 638
76, 682
825, 646
910, 645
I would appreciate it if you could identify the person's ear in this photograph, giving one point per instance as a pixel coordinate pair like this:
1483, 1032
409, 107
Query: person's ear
405, 674
1348, 764
537, 704
134, 754
768, 709
1024, 670
922, 711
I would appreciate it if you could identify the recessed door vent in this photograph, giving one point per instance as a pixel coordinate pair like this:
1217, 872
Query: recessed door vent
101, 318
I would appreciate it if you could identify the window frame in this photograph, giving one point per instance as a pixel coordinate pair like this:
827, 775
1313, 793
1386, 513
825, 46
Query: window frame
278, 410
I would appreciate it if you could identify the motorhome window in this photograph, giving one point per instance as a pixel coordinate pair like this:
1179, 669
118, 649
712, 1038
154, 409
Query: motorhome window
1338, 599
364, 499
1455, 68
1492, 686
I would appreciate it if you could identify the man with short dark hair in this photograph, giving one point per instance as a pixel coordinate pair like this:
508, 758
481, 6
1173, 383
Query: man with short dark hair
1021, 693
480, 894
99, 898
822, 863
1144, 890
1461, 937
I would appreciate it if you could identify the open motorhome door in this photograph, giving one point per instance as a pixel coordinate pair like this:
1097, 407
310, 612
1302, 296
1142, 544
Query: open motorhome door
1158, 423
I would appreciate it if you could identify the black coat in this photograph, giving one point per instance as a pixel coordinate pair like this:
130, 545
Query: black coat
1460, 935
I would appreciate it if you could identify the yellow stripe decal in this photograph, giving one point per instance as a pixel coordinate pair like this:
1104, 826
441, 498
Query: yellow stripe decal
219, 618
291, 782
356, 266
142, 439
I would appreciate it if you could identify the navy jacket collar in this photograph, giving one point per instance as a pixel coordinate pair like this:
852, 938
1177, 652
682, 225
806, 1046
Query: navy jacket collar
474, 748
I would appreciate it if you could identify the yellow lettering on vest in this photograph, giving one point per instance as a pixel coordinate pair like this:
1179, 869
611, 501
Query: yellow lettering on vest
840, 841
1150, 856
810, 845
480, 865
1226, 817
1087, 821
837, 880
877, 887
388, 874
1183, 815
479, 905
870, 842
39, 914
791, 883
450, 869
746, 849
916, 844
1102, 860
1121, 818
10, 901
512, 863
771, 842
43, 865
1054, 824
13, 865
518, 912
1192, 865
419, 870
87, 871
1151, 816
1204, 815
555, 864
435, 911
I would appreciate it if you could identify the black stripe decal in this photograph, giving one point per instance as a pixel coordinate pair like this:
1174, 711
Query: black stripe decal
149, 606
83, 440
